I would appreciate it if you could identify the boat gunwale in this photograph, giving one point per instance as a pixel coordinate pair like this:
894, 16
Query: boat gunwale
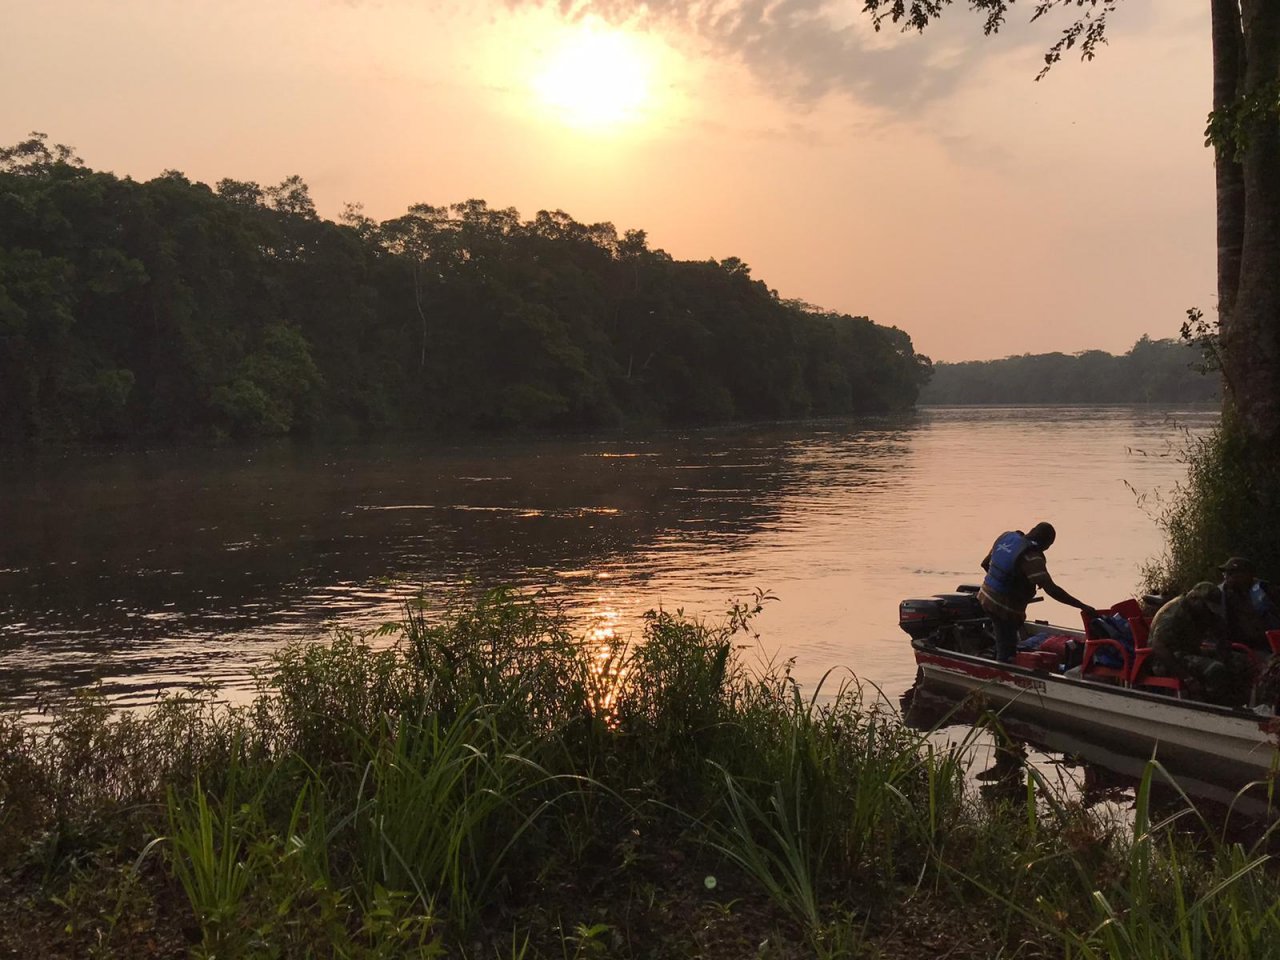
1144, 696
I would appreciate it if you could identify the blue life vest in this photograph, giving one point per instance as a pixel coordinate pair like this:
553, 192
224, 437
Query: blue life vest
1264, 606
1002, 571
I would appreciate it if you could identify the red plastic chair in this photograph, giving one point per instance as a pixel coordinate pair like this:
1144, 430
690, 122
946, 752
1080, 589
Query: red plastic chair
1141, 632
1138, 679
1093, 643
1273, 638
1126, 608
1141, 628
1098, 671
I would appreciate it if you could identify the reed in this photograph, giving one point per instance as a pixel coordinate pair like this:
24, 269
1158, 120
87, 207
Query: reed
1181, 895
214, 861
442, 806
476, 782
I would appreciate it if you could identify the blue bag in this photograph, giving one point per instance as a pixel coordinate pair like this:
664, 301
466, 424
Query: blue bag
1033, 642
1116, 627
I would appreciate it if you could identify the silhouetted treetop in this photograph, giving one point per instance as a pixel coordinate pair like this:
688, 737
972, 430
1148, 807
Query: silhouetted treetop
168, 309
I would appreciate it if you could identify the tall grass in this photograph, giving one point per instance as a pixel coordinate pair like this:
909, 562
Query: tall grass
441, 806
841, 789
1179, 899
212, 860
476, 782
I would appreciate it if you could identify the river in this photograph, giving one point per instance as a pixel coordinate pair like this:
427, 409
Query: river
145, 570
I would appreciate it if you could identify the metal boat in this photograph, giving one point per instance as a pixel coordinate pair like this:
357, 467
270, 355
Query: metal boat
1228, 746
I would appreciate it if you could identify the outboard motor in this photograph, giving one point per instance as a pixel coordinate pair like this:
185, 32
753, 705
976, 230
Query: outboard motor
922, 617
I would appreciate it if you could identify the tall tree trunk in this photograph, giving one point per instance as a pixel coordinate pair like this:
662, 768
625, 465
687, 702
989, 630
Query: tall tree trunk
1251, 330
1228, 75
422, 314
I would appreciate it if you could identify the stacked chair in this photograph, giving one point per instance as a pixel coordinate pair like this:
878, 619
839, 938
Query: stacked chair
1095, 642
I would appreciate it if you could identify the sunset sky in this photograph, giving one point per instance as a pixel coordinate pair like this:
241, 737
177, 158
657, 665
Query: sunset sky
924, 181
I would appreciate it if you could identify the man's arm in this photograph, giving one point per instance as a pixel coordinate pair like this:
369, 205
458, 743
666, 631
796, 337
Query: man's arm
1045, 582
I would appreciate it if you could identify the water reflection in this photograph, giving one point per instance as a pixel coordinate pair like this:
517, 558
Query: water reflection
148, 568
1092, 771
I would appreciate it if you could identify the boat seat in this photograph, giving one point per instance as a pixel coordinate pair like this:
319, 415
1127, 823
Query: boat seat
1126, 608
1098, 671
1144, 681
1093, 642
1251, 657
1141, 628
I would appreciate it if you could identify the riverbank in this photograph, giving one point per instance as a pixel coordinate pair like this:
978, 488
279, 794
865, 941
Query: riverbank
479, 783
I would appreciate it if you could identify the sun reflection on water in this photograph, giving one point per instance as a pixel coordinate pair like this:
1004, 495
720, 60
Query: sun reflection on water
607, 652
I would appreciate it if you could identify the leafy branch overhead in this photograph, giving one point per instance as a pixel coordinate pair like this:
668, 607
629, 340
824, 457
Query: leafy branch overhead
1087, 30
1229, 127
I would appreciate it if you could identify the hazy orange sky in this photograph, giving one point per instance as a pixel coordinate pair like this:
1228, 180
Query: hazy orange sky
924, 181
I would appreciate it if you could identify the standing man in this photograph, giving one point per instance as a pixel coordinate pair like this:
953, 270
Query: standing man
1015, 569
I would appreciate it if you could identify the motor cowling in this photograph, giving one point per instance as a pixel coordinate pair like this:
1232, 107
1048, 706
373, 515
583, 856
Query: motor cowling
921, 617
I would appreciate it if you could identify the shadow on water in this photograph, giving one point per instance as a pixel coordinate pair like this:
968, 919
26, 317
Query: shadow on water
1101, 774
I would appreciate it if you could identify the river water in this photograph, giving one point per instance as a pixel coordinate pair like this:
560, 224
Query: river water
144, 570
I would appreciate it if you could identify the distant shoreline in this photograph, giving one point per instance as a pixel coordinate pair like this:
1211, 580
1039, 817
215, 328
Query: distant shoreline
1153, 371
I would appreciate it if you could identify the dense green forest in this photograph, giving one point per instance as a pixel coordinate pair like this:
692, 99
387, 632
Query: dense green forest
169, 309
1153, 371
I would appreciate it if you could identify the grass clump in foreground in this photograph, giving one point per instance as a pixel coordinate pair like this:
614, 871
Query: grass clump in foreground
487, 786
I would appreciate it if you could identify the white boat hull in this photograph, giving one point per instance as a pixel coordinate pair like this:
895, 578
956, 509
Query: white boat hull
1230, 747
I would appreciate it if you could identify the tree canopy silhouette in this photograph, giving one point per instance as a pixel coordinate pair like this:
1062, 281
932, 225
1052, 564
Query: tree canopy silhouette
169, 309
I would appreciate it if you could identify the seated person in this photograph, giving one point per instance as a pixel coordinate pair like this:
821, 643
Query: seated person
1251, 605
1179, 633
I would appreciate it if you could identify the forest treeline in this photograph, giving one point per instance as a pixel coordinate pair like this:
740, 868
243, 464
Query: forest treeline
169, 309
1153, 371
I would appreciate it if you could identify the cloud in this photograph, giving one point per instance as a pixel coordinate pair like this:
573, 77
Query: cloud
805, 50
802, 51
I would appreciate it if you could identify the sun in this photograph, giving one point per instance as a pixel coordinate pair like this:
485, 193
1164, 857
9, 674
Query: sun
596, 77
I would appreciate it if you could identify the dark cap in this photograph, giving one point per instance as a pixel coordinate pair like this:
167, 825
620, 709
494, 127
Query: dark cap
1237, 565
